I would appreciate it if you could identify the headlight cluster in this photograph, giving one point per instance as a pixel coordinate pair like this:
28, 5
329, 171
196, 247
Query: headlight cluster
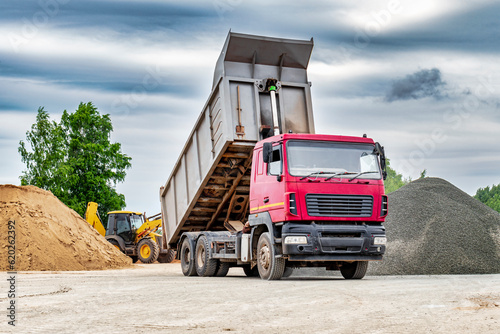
379, 240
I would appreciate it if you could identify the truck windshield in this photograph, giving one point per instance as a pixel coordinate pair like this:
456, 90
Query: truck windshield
324, 159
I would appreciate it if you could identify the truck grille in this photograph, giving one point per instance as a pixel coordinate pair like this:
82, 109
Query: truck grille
326, 205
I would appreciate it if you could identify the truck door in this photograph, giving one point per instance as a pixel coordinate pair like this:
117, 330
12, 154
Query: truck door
269, 185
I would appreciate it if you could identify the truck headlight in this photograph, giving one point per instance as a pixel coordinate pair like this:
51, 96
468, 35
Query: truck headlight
295, 240
379, 240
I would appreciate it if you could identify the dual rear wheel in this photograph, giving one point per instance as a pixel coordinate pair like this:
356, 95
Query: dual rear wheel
269, 267
199, 263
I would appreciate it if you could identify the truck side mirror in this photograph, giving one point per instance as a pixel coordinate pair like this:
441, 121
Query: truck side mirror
267, 151
379, 150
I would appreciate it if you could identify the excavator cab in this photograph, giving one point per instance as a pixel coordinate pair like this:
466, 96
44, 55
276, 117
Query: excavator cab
124, 224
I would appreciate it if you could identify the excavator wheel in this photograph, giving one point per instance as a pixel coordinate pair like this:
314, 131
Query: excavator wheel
167, 258
147, 251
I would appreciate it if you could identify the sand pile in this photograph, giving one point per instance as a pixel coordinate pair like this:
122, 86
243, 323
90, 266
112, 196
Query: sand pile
435, 228
51, 236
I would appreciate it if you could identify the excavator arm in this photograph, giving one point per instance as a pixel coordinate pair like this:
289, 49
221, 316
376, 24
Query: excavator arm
149, 227
92, 217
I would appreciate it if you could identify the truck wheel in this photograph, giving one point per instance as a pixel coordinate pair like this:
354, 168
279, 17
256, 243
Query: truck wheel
354, 270
187, 266
147, 251
288, 272
222, 269
270, 267
167, 258
251, 272
205, 266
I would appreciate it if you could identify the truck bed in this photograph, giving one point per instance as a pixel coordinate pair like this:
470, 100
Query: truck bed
210, 182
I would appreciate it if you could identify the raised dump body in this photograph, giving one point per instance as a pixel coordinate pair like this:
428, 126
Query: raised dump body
254, 76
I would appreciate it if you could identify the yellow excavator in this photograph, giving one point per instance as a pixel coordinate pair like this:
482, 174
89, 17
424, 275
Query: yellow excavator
132, 233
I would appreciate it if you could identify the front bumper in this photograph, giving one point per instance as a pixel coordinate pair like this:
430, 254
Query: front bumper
333, 242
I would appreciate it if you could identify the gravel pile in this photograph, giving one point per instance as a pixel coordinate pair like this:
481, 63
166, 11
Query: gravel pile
435, 228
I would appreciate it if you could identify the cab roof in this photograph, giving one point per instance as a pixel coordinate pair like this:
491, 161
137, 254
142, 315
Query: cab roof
122, 211
316, 137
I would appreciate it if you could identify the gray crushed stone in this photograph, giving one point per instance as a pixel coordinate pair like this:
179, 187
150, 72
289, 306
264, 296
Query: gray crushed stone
434, 228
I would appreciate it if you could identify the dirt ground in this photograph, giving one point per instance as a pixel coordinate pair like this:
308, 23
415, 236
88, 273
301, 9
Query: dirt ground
157, 298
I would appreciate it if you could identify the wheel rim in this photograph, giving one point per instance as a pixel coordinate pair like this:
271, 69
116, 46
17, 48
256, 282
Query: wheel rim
265, 256
145, 251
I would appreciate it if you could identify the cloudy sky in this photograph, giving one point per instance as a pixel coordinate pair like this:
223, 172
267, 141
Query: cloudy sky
422, 78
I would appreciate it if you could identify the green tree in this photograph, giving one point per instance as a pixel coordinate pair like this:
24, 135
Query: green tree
489, 196
394, 180
75, 159
44, 161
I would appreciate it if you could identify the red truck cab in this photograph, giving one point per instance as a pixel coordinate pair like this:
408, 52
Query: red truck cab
322, 196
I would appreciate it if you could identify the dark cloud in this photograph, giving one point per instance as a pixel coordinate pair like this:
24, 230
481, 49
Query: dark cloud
474, 30
101, 13
424, 83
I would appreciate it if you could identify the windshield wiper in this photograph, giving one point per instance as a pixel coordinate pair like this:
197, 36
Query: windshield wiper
313, 173
337, 174
359, 174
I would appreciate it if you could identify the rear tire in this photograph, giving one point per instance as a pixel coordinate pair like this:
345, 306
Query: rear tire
222, 269
147, 250
205, 266
270, 267
354, 270
167, 258
187, 265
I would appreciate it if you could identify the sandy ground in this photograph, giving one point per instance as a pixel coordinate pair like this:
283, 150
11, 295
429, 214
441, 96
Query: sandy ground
159, 299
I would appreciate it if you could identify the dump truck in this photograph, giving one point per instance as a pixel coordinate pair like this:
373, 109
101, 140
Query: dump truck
255, 187
132, 233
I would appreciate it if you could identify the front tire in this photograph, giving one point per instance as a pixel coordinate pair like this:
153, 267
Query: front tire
354, 270
187, 266
270, 267
147, 251
205, 266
